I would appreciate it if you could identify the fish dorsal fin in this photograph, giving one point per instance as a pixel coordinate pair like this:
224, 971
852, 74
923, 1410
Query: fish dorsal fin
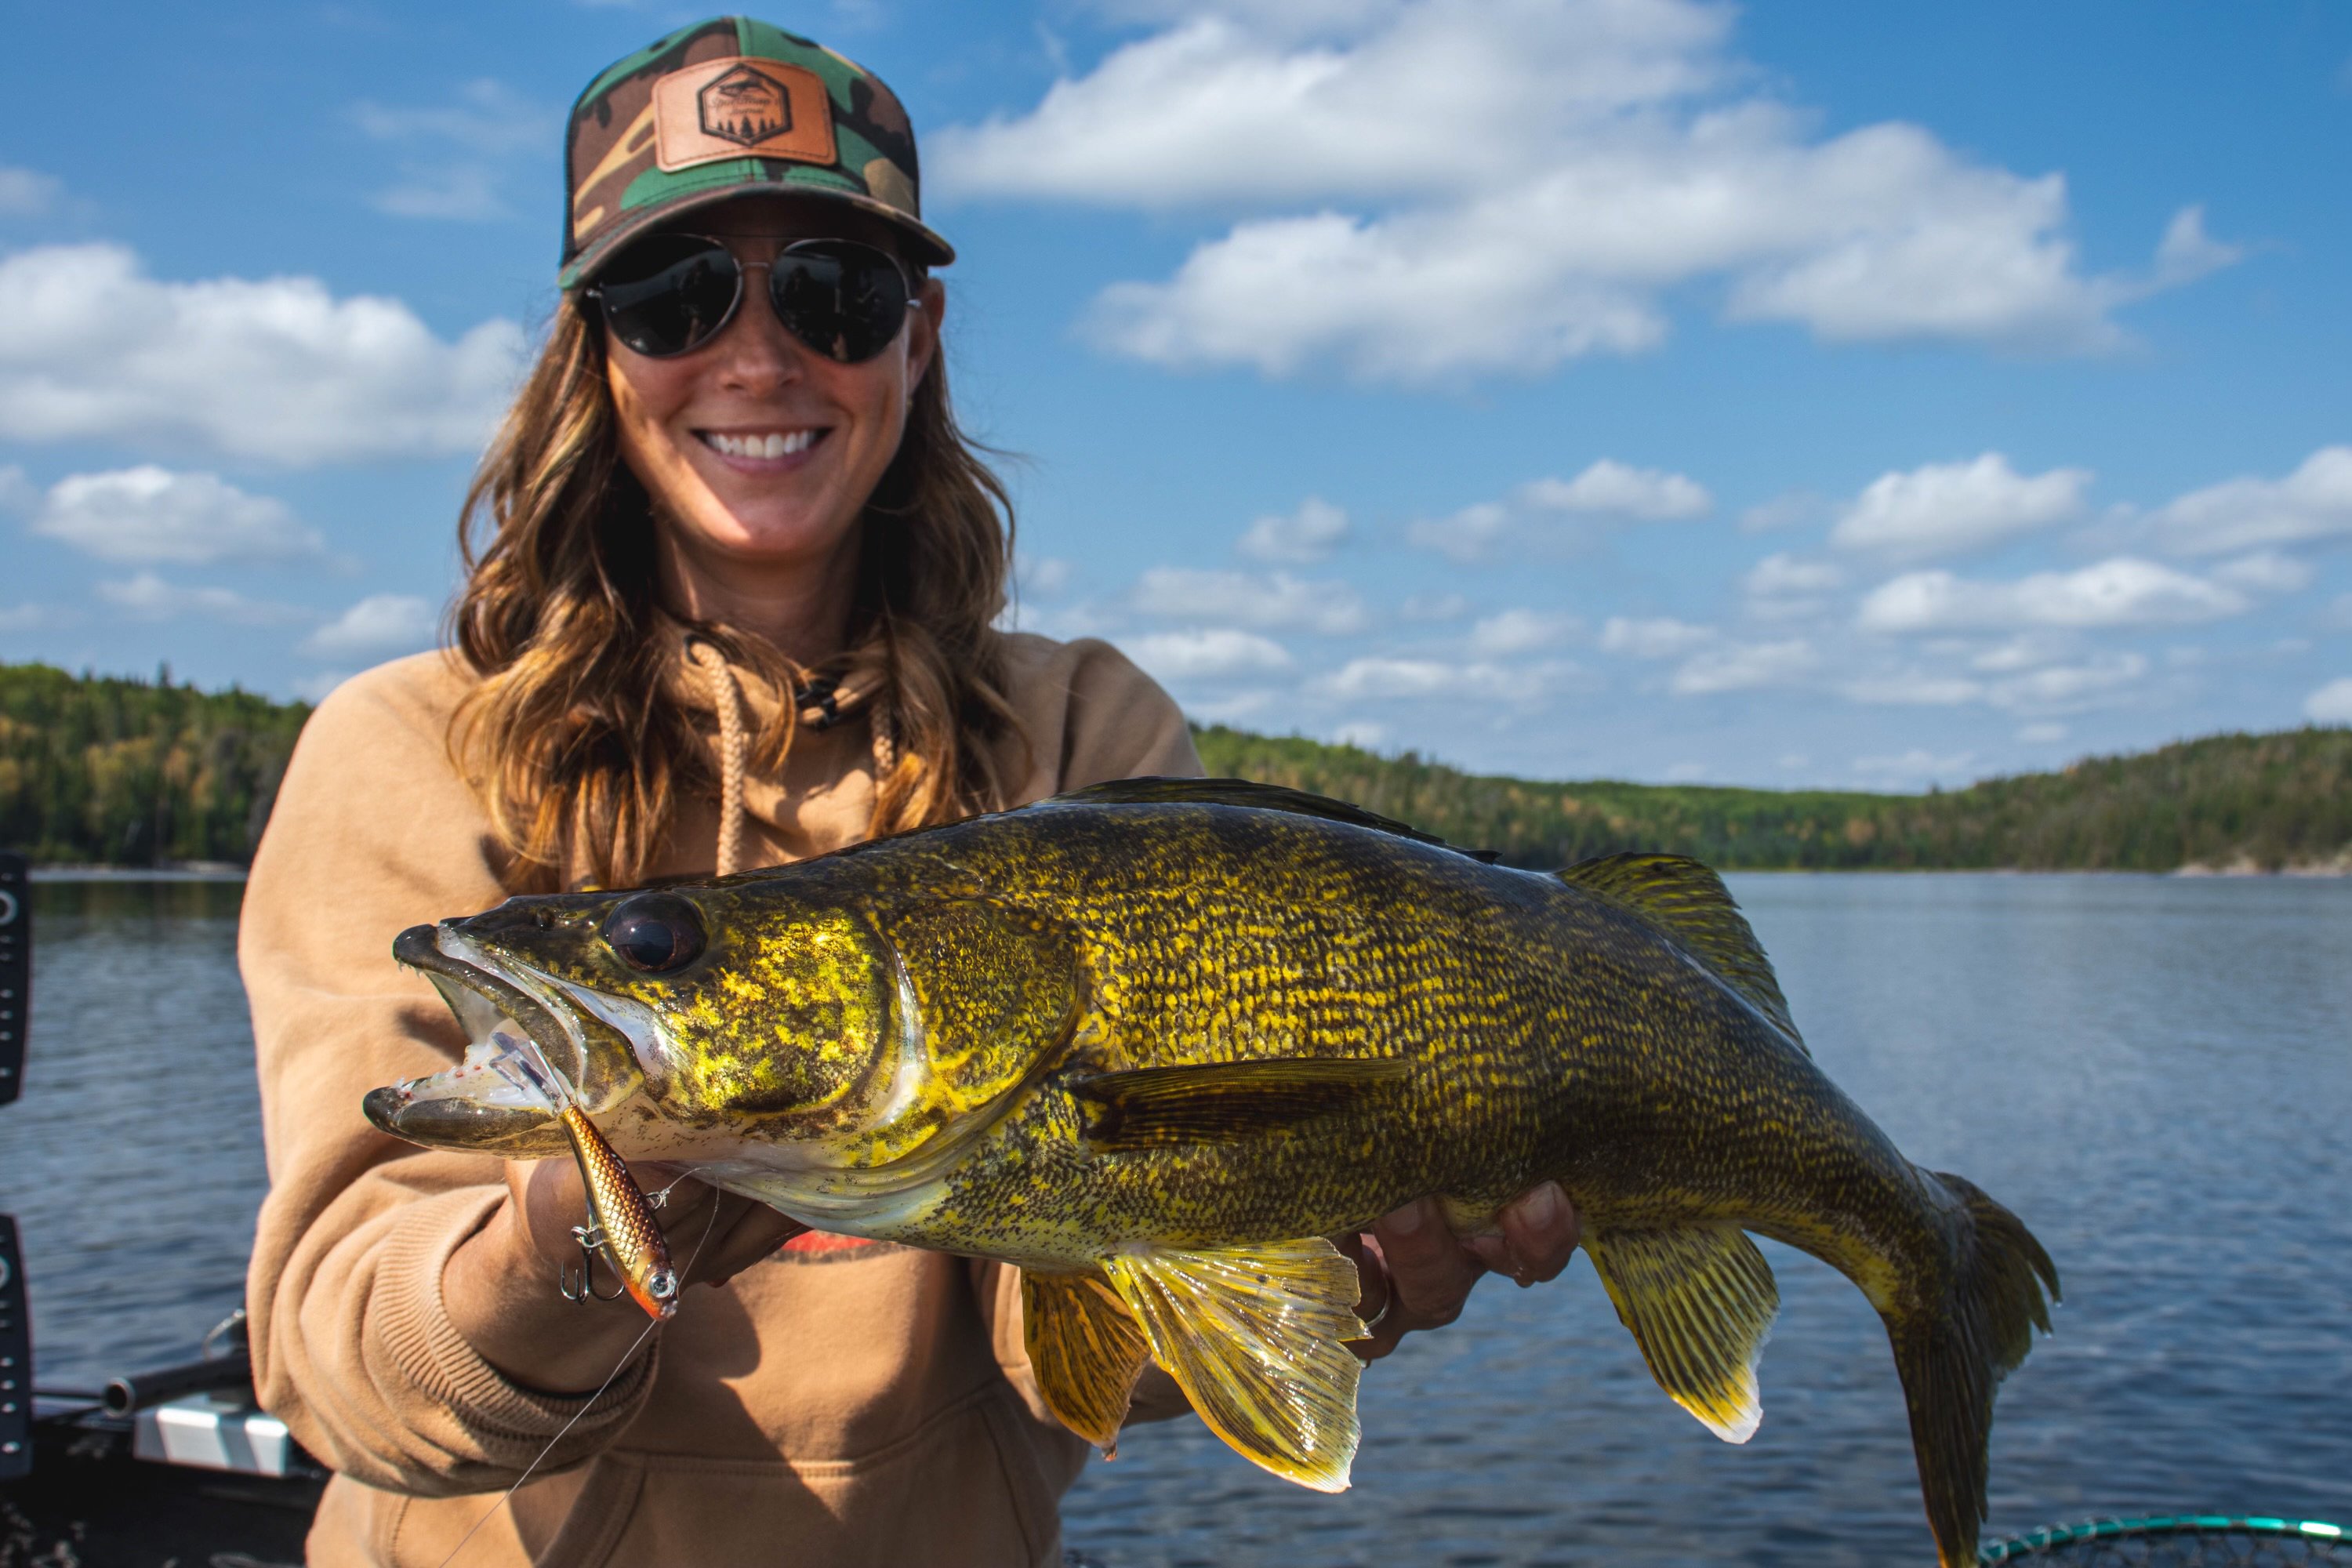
1689, 902
1248, 793
1256, 1336
1699, 1302
1225, 1102
1085, 1351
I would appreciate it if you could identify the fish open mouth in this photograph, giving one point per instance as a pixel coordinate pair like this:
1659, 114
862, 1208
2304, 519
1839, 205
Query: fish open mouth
507, 1093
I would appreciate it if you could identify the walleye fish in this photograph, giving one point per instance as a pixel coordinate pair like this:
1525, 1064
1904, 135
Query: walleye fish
1153, 1041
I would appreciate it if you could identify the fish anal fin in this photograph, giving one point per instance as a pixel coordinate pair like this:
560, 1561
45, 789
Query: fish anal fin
1256, 1337
1689, 903
1085, 1350
1700, 1301
1225, 1102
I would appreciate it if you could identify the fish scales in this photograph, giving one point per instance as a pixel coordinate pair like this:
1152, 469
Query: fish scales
1152, 1042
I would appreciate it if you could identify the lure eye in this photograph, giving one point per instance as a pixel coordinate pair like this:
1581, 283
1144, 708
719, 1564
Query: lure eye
655, 934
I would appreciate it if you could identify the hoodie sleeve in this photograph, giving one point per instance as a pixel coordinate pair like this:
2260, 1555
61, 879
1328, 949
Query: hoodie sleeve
1089, 716
373, 831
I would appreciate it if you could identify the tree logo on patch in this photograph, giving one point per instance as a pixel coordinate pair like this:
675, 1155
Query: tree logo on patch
745, 107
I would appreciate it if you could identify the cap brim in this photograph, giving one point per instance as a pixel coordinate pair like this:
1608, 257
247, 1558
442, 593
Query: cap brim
931, 249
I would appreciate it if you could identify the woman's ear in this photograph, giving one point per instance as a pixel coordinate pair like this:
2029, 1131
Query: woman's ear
926, 314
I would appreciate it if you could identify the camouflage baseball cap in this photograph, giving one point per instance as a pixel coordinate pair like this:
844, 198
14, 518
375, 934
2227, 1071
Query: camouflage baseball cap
723, 107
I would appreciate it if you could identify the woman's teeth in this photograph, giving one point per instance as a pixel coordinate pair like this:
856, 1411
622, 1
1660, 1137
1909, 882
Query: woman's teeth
775, 444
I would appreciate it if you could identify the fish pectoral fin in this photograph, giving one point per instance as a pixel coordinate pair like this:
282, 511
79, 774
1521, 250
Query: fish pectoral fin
1254, 1336
1085, 1351
1689, 903
1225, 1102
1700, 1301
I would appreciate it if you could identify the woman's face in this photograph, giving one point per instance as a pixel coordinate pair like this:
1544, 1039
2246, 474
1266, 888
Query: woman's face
733, 522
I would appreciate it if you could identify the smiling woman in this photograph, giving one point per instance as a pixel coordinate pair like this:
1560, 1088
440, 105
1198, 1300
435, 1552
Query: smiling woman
732, 579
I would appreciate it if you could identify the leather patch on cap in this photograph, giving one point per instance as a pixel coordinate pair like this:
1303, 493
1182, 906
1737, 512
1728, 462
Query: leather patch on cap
741, 107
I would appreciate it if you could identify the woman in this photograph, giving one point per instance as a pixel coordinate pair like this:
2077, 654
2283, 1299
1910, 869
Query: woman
733, 608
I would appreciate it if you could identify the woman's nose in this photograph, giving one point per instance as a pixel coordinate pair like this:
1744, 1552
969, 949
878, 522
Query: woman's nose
755, 351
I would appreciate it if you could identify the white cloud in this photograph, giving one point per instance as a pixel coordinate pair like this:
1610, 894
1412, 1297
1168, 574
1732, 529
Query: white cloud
1607, 491
1620, 151
148, 516
1518, 631
377, 627
25, 192
1783, 575
1914, 689
2066, 687
1276, 602
26, 617
93, 349
1299, 538
2265, 572
1361, 732
1611, 488
1947, 509
1917, 765
467, 146
1740, 667
2046, 733
1208, 653
1046, 576
2313, 502
1435, 607
1661, 637
1785, 510
1380, 677
149, 597
2331, 704
2187, 252
2122, 591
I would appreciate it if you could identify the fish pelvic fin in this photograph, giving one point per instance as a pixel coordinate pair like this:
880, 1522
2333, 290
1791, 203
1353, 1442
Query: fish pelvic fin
1085, 1350
1689, 902
1256, 1337
1954, 1353
1226, 1102
1700, 1301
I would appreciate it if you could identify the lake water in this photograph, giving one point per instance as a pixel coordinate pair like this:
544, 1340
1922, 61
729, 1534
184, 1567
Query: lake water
2155, 1073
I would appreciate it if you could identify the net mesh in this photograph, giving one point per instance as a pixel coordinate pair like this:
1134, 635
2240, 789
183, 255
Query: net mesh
2179, 1542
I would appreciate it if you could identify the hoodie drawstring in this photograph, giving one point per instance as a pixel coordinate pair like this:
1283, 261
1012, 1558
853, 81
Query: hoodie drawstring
821, 705
734, 749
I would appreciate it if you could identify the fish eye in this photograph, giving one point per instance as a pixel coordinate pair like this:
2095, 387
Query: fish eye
655, 934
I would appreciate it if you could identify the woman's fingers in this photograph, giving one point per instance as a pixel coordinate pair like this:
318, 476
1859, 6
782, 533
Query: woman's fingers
1539, 1234
1542, 1233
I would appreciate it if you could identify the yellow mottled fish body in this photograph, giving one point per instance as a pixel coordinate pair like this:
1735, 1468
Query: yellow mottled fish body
1151, 1041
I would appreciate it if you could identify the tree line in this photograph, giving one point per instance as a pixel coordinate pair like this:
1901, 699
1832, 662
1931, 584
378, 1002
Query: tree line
104, 769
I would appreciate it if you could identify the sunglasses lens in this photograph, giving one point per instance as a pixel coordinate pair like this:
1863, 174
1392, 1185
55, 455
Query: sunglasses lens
666, 294
844, 299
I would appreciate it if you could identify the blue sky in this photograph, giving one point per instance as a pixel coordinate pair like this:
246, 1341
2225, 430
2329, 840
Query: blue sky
1825, 393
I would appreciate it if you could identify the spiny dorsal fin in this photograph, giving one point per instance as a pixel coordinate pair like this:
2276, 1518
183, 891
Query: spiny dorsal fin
1085, 1351
1699, 1302
1225, 1102
1248, 793
1689, 902
1256, 1336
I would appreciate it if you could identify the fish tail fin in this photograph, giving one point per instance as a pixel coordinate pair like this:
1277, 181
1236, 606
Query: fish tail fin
1952, 1353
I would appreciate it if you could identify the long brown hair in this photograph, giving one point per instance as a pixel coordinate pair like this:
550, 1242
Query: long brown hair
569, 738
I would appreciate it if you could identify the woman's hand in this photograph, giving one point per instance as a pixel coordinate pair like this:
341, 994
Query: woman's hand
501, 1287
1417, 1274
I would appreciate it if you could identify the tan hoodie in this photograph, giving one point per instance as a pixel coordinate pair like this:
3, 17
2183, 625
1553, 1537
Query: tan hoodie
844, 1403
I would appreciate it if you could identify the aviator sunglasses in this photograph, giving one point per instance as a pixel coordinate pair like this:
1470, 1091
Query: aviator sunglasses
669, 294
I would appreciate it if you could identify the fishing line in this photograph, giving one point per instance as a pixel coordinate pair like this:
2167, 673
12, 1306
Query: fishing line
589, 1402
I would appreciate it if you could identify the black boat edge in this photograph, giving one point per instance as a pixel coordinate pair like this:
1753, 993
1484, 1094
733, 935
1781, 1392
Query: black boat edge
171, 1465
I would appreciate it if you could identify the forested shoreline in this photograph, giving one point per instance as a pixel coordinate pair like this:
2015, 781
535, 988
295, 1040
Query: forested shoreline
110, 770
